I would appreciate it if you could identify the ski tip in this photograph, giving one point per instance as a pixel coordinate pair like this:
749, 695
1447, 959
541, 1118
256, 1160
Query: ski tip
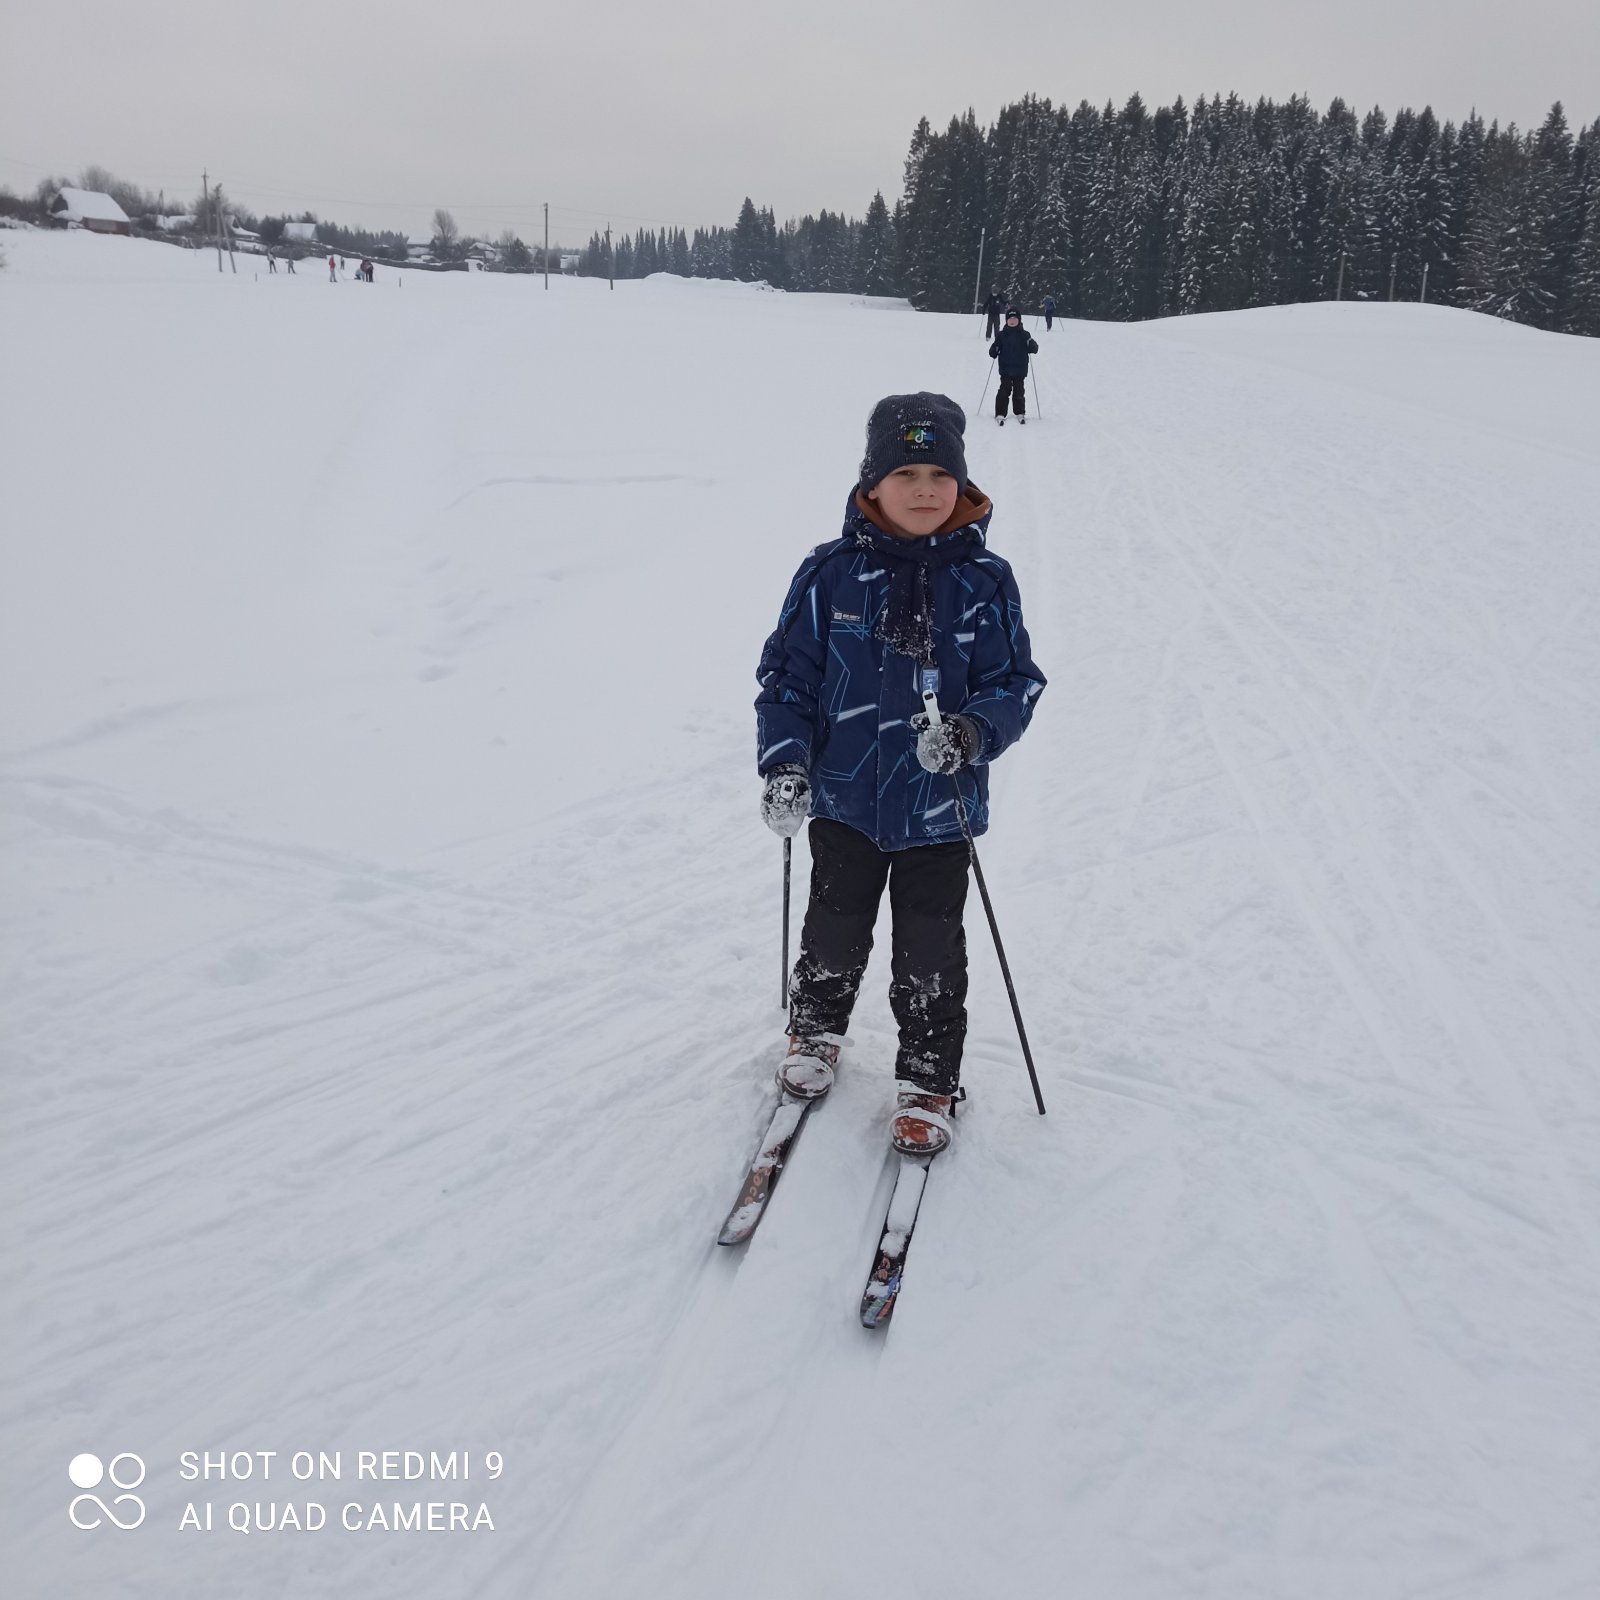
883, 1289
876, 1309
742, 1220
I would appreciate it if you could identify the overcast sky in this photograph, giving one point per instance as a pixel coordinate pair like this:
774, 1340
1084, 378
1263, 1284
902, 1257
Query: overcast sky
672, 111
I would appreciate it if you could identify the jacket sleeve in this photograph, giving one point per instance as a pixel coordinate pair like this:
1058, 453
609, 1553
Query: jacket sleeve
1003, 683
789, 707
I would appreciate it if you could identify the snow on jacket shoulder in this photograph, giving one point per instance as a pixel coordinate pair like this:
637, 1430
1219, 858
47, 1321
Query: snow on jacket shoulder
837, 701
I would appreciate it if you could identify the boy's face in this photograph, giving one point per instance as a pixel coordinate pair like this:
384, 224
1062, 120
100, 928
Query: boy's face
915, 501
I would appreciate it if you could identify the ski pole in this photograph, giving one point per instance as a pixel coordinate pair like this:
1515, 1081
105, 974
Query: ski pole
788, 846
786, 791
985, 395
931, 705
1034, 369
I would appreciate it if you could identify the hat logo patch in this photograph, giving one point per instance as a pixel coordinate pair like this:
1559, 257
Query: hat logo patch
919, 436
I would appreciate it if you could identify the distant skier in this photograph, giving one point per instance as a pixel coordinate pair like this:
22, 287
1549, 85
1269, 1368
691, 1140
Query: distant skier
907, 598
333, 270
365, 271
991, 311
1049, 312
272, 262
288, 261
1012, 348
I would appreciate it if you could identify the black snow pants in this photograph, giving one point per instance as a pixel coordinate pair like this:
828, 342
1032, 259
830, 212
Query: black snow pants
1014, 389
928, 991
991, 329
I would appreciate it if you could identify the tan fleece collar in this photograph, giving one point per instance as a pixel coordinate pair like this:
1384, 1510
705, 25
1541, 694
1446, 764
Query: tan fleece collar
971, 504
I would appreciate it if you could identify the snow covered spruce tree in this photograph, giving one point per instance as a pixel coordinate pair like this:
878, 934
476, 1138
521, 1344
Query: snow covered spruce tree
877, 258
1130, 213
946, 206
1583, 306
753, 251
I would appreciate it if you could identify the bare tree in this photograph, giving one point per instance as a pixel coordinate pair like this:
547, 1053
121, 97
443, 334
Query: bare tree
135, 201
446, 235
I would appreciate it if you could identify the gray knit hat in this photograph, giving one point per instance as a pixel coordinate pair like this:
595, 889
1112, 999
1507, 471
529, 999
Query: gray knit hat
905, 429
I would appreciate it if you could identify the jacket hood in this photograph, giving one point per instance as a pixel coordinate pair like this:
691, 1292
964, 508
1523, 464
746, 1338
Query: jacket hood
972, 506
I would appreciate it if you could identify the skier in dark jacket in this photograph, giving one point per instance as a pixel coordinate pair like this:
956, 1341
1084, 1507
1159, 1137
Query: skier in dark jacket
991, 312
908, 598
1012, 349
1049, 312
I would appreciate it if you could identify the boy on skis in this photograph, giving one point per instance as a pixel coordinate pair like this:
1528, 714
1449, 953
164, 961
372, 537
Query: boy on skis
909, 598
1012, 348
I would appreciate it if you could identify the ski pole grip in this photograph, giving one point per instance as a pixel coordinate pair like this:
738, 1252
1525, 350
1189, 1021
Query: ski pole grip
930, 704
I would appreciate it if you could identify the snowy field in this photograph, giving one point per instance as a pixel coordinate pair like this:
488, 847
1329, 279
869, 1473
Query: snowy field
390, 953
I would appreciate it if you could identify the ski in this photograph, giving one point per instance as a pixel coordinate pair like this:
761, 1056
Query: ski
765, 1169
889, 1265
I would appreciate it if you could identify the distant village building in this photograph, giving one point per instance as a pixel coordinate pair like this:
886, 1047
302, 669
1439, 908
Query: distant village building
86, 208
306, 232
175, 224
569, 263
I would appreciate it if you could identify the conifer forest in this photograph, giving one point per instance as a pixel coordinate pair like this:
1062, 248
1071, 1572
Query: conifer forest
1124, 215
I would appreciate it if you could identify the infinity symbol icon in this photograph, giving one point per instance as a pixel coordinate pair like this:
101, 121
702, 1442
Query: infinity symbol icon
111, 1515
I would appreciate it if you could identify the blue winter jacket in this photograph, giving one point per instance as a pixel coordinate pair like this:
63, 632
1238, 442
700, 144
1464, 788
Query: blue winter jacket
1012, 348
838, 701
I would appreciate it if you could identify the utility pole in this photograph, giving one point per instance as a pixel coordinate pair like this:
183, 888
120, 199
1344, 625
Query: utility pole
977, 286
611, 259
1394, 262
547, 246
1422, 299
205, 200
1338, 294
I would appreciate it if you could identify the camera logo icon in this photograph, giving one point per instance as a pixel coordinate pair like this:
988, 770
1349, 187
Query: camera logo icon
88, 1510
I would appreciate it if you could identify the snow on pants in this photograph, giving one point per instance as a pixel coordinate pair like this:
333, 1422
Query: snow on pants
1014, 389
928, 992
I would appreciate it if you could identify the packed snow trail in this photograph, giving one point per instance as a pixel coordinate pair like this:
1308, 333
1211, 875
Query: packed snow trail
389, 933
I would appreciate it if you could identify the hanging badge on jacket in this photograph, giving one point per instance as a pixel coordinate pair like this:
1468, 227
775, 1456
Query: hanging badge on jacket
930, 680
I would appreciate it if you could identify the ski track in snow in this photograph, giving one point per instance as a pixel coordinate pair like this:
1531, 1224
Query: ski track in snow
390, 972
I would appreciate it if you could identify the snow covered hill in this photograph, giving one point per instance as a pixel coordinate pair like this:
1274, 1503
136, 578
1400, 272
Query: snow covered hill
390, 953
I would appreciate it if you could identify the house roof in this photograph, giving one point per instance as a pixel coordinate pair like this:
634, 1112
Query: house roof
87, 205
